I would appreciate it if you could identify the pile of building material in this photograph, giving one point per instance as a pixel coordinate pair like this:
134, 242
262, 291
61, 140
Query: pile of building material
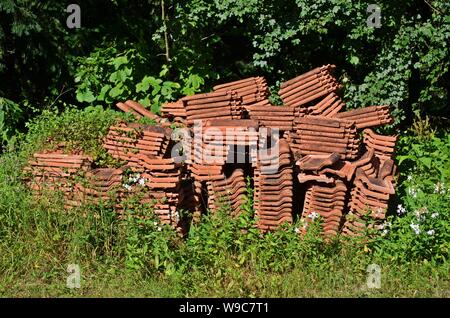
305, 159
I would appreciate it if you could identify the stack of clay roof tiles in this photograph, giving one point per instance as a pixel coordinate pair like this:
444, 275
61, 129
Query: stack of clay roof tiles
372, 116
56, 171
215, 105
281, 117
322, 135
126, 142
162, 181
99, 185
317, 154
308, 87
328, 107
373, 184
174, 111
251, 90
328, 200
230, 190
273, 187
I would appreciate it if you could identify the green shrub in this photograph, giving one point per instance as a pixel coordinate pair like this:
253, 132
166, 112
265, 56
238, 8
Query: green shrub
420, 226
77, 130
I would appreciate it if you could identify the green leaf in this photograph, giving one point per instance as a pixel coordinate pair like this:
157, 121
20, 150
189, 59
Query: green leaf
103, 92
426, 161
402, 158
118, 61
354, 60
116, 91
85, 96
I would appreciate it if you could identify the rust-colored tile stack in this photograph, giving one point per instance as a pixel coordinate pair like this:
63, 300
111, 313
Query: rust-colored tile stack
127, 142
281, 117
372, 116
317, 135
305, 158
273, 187
162, 180
250, 90
99, 185
229, 191
215, 105
309, 87
373, 184
328, 201
57, 171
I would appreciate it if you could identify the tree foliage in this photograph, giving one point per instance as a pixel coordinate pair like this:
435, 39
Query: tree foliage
134, 50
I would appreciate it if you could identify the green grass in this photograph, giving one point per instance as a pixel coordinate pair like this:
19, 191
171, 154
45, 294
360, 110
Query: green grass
337, 279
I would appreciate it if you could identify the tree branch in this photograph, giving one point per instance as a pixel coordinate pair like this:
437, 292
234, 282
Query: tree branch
166, 35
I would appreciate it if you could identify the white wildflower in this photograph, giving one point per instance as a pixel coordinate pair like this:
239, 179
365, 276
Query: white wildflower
415, 228
142, 182
409, 178
159, 228
155, 223
400, 209
127, 186
434, 215
413, 192
385, 231
297, 230
430, 232
313, 215
384, 226
440, 188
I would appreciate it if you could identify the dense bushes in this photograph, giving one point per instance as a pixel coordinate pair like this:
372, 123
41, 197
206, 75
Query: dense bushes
404, 63
420, 228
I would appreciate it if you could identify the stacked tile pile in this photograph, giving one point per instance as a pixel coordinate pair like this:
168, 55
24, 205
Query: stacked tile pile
281, 117
127, 142
273, 187
328, 201
215, 105
229, 191
99, 185
317, 135
56, 171
309, 87
372, 116
162, 182
251, 91
174, 111
373, 184
309, 146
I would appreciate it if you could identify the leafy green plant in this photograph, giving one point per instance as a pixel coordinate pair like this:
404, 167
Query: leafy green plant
10, 115
71, 130
109, 76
